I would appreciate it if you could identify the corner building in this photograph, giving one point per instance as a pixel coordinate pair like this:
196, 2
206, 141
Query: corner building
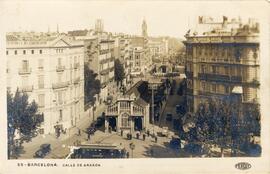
49, 68
221, 56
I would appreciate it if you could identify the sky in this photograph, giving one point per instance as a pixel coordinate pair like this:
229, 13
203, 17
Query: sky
170, 18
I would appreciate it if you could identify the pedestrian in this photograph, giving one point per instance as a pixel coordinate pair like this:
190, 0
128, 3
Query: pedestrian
110, 129
148, 132
88, 136
79, 132
143, 137
127, 154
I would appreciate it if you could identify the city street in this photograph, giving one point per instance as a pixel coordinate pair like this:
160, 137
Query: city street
60, 145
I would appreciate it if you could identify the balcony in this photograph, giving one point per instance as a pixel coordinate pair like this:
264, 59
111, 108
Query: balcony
24, 71
26, 88
60, 68
214, 77
202, 76
60, 85
76, 80
236, 79
76, 65
218, 77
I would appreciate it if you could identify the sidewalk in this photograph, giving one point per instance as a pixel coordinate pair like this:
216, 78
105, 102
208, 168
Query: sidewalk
60, 144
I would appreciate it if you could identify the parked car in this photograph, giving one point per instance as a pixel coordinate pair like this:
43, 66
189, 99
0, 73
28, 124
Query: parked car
169, 117
43, 151
178, 109
175, 142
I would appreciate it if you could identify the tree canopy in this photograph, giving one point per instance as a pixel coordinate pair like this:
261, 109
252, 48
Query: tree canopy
23, 119
219, 122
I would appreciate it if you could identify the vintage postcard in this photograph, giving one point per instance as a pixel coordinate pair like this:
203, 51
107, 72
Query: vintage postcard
135, 86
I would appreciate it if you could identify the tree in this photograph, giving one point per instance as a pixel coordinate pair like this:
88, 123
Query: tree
91, 85
23, 121
218, 121
119, 73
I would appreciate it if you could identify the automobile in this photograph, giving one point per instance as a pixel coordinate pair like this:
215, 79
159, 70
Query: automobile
43, 151
178, 109
165, 131
169, 117
175, 142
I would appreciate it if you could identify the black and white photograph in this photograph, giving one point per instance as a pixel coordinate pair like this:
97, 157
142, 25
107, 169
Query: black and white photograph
128, 80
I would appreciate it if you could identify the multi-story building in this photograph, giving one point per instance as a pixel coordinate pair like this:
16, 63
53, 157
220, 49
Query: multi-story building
99, 57
137, 61
122, 52
49, 68
220, 57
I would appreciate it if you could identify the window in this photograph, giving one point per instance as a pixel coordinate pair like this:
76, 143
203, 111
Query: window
32, 51
6, 52
59, 61
41, 100
41, 81
214, 69
15, 52
25, 65
40, 51
227, 89
238, 71
214, 88
40, 64
203, 87
226, 70
255, 54
24, 51
125, 120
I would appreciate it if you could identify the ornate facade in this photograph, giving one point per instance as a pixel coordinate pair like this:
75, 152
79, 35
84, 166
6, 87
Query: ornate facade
219, 58
127, 114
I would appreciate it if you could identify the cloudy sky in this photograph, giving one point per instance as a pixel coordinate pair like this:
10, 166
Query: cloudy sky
172, 18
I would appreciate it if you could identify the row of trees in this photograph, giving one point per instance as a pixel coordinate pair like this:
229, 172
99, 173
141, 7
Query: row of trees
224, 123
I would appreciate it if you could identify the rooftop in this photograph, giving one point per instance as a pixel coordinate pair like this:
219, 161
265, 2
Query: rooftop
227, 27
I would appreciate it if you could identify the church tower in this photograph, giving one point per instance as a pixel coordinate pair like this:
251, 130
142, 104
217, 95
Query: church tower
144, 29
